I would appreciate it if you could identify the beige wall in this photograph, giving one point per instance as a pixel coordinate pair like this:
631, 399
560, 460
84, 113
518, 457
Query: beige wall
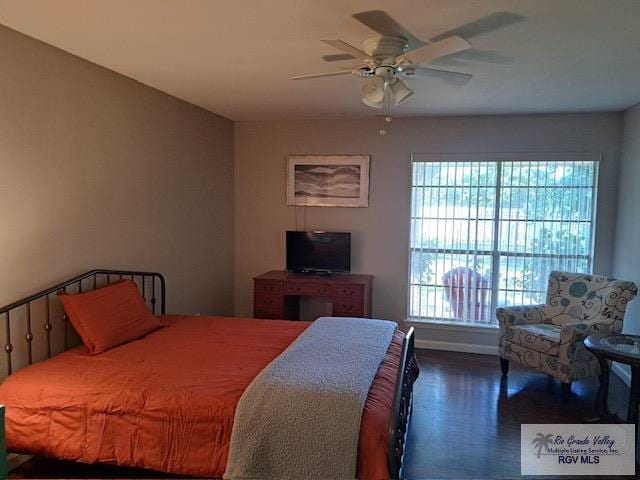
380, 232
97, 170
627, 259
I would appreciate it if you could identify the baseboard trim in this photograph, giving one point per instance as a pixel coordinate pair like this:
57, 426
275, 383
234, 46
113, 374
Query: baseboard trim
457, 347
622, 372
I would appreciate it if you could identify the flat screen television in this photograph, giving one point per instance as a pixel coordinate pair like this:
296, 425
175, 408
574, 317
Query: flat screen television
319, 252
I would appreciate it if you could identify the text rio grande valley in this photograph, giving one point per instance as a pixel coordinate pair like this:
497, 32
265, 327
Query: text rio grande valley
573, 450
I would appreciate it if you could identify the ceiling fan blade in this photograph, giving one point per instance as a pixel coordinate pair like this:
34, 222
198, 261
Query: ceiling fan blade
449, 62
435, 50
454, 78
337, 57
381, 22
462, 59
350, 49
325, 74
483, 25
488, 56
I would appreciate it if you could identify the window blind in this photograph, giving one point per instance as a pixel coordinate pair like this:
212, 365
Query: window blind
487, 233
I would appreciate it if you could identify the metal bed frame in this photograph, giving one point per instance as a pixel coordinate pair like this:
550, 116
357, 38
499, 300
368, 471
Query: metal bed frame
401, 406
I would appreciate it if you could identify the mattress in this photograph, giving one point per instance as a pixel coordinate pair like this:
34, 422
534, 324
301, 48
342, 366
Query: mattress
166, 402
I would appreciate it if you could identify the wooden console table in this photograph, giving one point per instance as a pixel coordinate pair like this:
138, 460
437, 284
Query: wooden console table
276, 294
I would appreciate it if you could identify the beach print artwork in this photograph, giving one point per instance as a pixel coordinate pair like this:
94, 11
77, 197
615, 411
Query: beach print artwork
328, 181
324, 181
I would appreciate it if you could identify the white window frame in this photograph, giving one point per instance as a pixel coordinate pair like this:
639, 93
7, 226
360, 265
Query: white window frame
587, 156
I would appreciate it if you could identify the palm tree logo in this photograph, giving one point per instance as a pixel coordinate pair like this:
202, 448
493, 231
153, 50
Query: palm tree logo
542, 441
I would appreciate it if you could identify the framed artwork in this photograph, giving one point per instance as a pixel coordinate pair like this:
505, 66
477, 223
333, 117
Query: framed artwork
328, 180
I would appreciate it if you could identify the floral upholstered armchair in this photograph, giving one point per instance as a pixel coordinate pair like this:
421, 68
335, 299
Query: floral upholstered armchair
549, 337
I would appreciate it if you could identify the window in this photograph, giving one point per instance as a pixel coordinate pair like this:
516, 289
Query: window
486, 230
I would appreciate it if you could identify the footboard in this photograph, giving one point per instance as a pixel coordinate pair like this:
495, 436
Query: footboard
401, 408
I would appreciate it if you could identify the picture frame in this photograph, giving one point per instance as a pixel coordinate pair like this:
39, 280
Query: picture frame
328, 180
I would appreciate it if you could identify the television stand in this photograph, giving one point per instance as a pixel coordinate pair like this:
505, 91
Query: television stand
276, 294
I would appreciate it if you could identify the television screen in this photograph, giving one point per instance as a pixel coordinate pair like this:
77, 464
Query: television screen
317, 252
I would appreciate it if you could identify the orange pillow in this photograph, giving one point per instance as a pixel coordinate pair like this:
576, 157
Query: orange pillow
109, 316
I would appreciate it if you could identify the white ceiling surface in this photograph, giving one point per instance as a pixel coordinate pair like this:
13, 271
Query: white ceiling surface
235, 57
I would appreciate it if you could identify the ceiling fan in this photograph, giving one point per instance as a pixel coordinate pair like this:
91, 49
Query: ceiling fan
397, 54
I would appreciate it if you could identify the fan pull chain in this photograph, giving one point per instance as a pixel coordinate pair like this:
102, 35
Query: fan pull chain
386, 105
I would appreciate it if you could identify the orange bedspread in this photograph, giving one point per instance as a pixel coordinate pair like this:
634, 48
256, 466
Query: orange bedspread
166, 402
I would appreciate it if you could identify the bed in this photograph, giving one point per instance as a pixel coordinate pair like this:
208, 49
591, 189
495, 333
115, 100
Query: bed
167, 400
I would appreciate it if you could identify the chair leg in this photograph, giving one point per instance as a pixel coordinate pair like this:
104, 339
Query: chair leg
504, 365
565, 391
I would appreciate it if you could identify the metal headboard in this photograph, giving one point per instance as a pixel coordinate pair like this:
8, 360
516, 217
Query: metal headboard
81, 283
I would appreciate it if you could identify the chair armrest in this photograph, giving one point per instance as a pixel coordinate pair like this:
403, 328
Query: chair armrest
578, 331
572, 350
524, 315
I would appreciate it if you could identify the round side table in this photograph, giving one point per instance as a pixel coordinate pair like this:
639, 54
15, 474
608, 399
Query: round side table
623, 349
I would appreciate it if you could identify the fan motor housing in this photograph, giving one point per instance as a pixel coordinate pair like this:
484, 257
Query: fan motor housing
385, 49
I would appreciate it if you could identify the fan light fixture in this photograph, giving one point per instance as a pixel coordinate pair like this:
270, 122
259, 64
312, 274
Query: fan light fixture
373, 92
400, 91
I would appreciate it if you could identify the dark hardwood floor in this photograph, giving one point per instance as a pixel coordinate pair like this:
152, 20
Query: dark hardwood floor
466, 417
465, 424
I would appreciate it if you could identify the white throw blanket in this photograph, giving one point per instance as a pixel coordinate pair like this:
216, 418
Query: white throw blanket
300, 417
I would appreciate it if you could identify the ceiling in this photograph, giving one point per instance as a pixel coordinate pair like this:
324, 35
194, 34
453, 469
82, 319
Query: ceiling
235, 57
